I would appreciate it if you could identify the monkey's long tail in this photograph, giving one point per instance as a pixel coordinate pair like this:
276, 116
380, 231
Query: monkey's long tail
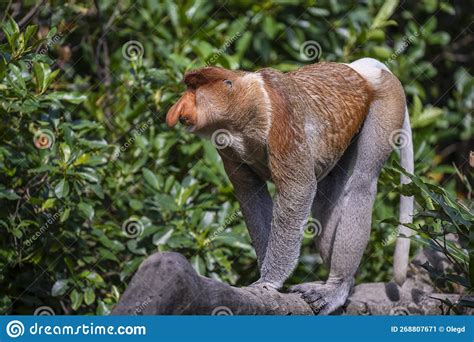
402, 248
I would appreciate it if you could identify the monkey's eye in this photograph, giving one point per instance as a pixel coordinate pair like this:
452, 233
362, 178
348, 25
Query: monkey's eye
228, 83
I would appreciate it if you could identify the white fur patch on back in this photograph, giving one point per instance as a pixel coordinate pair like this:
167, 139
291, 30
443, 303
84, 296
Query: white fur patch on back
370, 69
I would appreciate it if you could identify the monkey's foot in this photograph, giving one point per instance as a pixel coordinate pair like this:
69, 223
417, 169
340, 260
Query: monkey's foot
323, 298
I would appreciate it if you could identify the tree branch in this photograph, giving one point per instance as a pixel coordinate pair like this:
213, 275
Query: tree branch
166, 284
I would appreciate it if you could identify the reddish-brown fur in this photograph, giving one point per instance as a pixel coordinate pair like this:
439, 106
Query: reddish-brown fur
196, 78
339, 97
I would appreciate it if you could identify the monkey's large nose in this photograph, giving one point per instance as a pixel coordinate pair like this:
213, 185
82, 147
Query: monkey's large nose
183, 111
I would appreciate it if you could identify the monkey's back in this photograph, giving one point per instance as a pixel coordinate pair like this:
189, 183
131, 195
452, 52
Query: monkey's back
335, 101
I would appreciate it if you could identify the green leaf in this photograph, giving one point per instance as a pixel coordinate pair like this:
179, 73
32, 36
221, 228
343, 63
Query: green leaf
95, 278
198, 264
162, 238
3, 69
93, 178
243, 44
102, 309
61, 189
65, 215
65, 151
76, 299
384, 13
166, 202
71, 97
89, 296
86, 209
151, 179
60, 287
30, 32
9, 194
12, 31
427, 117
40, 70
49, 203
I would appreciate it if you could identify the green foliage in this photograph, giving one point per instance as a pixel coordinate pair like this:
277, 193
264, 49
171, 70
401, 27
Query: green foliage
440, 215
91, 180
444, 225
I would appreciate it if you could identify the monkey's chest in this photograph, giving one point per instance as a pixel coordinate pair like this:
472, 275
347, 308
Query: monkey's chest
250, 152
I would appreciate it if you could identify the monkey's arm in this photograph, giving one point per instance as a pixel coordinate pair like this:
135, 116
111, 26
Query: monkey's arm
296, 187
255, 203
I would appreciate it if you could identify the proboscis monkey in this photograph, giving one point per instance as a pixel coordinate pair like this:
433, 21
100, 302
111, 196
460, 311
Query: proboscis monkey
322, 134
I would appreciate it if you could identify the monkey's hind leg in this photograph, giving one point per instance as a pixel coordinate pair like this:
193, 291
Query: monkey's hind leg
353, 219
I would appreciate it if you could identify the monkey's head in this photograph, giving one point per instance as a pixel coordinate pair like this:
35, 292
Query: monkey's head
215, 97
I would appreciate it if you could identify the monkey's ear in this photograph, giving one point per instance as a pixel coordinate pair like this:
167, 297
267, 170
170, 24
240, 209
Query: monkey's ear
196, 78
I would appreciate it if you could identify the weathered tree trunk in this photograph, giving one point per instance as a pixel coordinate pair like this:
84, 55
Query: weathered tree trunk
166, 284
